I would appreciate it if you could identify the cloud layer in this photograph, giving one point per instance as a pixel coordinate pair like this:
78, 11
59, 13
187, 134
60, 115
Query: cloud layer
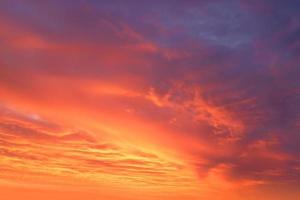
190, 98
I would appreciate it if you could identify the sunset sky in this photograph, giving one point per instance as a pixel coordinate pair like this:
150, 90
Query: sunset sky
150, 100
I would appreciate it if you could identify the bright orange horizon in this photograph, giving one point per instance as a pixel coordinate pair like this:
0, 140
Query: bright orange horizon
141, 100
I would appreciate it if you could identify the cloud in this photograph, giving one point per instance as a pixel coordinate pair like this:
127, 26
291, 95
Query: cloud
34, 150
202, 94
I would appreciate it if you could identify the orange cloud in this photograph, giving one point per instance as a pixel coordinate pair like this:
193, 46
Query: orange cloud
147, 102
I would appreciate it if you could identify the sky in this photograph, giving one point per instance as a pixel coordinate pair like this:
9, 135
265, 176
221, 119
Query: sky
150, 100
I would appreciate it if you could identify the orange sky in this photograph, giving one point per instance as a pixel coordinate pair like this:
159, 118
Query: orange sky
149, 101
